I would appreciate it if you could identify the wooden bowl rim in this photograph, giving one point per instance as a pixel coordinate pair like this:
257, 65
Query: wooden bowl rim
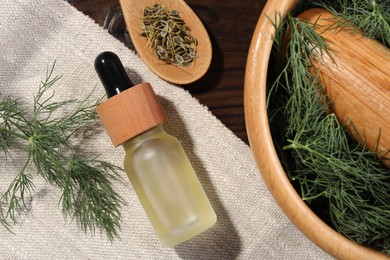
264, 151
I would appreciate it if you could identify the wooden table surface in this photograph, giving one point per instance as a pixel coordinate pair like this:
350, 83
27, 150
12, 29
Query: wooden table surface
230, 24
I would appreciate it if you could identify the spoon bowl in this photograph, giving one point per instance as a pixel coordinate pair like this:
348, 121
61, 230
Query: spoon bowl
133, 14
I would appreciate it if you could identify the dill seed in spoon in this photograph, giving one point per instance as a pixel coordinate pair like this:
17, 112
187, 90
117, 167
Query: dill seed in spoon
168, 35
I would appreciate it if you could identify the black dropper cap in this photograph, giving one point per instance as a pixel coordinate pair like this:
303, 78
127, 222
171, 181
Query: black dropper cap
112, 73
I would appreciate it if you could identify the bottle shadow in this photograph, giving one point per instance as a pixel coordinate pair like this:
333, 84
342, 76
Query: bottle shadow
222, 240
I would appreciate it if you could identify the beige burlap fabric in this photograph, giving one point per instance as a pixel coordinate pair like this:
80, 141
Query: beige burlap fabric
34, 34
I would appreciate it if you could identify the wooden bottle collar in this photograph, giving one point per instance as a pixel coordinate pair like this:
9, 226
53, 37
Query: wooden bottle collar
131, 113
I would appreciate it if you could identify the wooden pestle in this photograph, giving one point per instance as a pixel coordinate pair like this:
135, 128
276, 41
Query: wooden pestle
356, 80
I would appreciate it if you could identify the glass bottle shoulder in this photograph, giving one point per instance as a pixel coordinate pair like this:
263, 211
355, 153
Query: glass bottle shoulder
151, 144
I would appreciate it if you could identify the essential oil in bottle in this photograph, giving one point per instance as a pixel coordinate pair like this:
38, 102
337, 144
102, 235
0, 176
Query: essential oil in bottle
155, 162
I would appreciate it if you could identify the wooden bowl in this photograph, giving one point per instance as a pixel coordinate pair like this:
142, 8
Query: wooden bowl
264, 151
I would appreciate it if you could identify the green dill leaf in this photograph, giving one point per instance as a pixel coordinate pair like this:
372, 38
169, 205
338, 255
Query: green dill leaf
47, 135
96, 202
320, 158
370, 16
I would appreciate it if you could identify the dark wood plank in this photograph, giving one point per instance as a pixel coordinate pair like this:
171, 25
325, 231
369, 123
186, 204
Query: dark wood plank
230, 24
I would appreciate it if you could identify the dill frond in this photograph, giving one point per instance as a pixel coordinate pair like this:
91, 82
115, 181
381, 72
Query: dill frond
370, 16
320, 158
47, 135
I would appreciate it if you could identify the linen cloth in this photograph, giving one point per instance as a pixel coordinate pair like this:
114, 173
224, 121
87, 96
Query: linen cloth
34, 34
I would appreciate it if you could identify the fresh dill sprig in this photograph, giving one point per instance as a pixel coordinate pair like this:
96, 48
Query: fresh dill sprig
370, 16
47, 135
325, 162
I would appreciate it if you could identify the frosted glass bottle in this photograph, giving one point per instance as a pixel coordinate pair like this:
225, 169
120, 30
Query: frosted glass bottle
167, 186
155, 161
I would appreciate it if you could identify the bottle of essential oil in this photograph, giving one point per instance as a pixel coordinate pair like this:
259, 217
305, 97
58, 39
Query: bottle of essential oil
155, 161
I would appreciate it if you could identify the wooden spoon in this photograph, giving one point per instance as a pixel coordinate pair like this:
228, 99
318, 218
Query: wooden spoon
133, 14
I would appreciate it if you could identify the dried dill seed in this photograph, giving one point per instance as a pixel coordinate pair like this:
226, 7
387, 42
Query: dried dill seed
168, 35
